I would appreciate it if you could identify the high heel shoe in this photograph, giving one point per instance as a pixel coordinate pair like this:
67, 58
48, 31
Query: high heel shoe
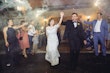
25, 56
33, 53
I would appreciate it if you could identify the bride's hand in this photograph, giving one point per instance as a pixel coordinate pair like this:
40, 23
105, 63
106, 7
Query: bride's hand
61, 14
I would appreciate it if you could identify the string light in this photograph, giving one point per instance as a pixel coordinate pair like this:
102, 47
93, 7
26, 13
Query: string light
19, 8
88, 17
97, 3
42, 28
6, 1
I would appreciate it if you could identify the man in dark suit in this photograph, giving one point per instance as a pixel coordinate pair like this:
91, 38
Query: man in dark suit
75, 34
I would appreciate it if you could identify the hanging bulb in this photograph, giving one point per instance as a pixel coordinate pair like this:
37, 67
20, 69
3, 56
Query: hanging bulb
5, 1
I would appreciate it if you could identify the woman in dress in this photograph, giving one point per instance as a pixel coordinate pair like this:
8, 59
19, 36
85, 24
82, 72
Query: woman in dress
11, 42
35, 41
23, 39
52, 54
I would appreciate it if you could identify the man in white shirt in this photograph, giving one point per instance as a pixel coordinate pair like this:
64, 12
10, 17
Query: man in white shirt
97, 26
31, 32
100, 33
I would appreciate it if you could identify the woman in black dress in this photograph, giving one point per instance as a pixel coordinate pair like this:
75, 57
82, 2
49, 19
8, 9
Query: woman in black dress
11, 42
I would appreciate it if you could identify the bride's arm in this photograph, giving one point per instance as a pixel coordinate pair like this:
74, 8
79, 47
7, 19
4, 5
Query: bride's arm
61, 18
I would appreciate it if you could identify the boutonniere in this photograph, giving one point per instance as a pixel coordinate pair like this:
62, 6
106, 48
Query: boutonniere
78, 23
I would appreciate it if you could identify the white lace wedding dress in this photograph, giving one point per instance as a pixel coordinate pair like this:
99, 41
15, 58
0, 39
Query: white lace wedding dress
52, 53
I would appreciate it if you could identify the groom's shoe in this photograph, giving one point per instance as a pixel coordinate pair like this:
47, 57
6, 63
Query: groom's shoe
54, 67
72, 67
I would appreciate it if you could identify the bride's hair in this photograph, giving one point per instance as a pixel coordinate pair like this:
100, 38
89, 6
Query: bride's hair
50, 21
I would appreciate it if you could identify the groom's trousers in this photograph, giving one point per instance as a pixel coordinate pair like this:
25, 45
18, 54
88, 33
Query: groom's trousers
75, 46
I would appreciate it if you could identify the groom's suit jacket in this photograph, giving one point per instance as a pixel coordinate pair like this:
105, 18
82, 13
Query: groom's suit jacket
72, 32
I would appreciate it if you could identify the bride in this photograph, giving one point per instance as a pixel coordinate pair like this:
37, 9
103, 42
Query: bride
52, 54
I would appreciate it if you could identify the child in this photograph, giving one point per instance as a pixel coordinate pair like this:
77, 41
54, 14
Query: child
35, 43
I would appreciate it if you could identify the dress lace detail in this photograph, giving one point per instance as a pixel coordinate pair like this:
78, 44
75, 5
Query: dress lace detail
52, 53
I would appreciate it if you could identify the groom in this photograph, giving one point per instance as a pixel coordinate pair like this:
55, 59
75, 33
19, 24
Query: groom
75, 34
